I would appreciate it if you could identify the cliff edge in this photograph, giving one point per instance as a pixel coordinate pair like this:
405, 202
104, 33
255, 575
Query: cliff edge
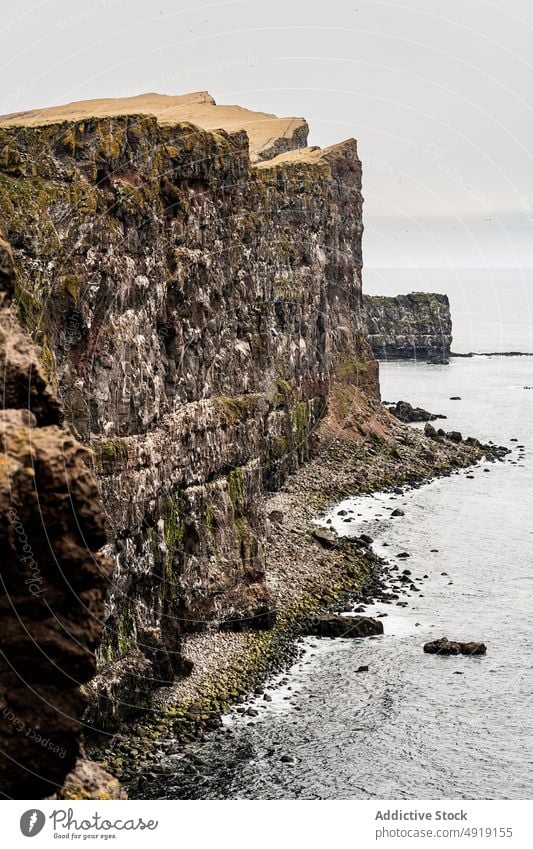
268, 135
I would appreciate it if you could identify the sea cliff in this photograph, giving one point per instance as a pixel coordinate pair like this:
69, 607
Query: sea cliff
195, 313
409, 327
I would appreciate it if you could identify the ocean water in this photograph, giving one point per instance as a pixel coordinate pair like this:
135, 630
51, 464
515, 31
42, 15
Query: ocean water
492, 309
415, 725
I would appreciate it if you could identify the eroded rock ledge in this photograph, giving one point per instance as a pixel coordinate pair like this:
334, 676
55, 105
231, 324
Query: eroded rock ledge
409, 327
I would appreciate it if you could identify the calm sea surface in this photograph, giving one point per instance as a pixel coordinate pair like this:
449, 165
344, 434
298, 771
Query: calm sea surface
411, 727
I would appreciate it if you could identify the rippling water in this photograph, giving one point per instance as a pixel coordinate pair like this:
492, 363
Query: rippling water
411, 727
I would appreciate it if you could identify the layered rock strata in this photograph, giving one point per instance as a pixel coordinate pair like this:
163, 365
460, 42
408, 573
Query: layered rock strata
409, 327
196, 313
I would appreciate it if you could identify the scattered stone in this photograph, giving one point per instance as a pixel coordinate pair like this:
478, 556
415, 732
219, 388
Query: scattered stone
325, 537
455, 436
455, 398
362, 669
397, 512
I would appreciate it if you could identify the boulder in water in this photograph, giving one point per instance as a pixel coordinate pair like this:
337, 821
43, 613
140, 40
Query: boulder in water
449, 647
405, 412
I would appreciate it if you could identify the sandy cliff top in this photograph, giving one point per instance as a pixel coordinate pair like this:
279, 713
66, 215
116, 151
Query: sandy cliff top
268, 134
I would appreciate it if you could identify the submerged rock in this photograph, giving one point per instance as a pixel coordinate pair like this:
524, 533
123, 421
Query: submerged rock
330, 625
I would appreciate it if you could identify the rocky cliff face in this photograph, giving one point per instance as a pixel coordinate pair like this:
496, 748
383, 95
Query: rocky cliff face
53, 580
416, 326
195, 312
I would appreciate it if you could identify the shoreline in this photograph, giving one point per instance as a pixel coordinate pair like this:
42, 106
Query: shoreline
305, 576
471, 354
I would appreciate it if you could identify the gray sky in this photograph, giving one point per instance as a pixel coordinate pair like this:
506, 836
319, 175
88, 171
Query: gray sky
438, 94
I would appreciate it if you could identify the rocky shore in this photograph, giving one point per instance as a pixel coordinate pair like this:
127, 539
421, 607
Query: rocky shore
308, 573
195, 298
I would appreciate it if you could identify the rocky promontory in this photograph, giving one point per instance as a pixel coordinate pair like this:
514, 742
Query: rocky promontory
409, 327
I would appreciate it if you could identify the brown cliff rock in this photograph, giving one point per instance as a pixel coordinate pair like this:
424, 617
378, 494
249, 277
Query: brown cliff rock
53, 582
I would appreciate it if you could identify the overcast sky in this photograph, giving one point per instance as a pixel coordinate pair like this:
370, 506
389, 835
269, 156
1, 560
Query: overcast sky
438, 94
